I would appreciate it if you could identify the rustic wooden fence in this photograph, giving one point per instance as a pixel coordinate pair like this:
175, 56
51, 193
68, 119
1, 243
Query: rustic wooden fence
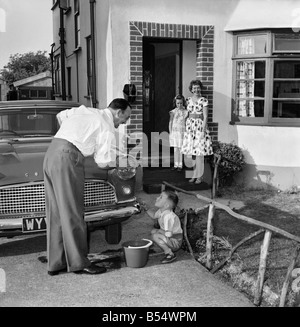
267, 229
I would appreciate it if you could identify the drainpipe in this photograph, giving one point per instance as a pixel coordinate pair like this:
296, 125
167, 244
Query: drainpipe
52, 70
62, 47
93, 45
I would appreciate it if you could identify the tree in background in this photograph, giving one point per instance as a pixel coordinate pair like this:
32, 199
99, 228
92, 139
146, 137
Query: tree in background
25, 65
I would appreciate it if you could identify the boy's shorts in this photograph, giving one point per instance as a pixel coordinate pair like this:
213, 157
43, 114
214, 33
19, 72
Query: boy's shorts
174, 242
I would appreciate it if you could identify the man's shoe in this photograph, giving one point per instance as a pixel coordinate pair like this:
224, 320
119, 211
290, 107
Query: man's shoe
173, 168
179, 169
91, 270
56, 272
169, 258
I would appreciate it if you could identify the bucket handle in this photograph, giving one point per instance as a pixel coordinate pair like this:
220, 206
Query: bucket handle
141, 247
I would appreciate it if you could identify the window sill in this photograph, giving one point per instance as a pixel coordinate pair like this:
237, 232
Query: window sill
68, 11
78, 49
271, 124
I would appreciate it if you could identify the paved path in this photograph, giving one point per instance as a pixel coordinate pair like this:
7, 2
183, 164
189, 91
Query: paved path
183, 283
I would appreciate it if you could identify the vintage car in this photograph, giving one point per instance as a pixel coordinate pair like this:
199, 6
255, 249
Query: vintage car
26, 130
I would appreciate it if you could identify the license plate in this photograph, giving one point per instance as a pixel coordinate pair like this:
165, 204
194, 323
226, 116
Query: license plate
36, 224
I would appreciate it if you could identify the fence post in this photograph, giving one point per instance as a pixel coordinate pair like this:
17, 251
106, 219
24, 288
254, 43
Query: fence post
209, 236
215, 181
262, 267
287, 277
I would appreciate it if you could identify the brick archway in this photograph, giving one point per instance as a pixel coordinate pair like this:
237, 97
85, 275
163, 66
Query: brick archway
203, 35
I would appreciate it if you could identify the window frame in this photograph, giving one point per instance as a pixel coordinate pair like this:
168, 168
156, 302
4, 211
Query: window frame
77, 23
57, 75
89, 71
270, 57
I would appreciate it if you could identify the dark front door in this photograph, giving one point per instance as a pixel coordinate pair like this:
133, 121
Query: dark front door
161, 82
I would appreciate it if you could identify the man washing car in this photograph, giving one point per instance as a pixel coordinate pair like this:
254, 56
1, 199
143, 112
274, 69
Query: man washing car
83, 132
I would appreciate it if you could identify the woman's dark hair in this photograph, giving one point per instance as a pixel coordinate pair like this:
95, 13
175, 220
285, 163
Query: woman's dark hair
172, 196
178, 97
119, 103
195, 82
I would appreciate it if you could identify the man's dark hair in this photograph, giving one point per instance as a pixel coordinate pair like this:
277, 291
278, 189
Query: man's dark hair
119, 103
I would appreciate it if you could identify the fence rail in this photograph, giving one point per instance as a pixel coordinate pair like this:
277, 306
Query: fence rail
267, 229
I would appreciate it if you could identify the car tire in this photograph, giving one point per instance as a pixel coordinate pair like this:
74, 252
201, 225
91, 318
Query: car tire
113, 233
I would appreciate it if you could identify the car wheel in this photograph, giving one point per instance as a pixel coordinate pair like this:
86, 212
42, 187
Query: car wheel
113, 233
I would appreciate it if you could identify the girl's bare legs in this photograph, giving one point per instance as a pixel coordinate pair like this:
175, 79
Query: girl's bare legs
177, 158
199, 167
198, 170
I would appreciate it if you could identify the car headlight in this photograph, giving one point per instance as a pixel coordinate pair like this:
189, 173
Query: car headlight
126, 172
127, 190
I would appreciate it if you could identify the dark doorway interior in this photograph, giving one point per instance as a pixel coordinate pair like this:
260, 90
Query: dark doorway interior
162, 80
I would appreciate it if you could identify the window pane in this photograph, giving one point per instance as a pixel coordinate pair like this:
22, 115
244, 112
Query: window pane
251, 69
42, 94
250, 108
286, 89
286, 109
24, 94
287, 69
33, 93
251, 89
254, 44
287, 42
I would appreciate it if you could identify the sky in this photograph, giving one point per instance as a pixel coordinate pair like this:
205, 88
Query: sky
25, 25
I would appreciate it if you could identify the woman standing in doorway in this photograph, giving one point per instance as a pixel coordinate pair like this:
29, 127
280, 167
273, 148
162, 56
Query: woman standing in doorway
197, 141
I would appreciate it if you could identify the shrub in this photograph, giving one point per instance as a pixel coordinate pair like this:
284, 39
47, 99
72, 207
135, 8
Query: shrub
232, 161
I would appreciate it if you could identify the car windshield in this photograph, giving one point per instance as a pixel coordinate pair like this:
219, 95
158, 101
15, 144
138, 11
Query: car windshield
27, 123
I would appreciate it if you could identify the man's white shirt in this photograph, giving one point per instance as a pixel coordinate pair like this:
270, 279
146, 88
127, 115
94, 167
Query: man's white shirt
91, 130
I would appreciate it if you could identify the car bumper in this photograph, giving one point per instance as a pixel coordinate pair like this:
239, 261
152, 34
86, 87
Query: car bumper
100, 216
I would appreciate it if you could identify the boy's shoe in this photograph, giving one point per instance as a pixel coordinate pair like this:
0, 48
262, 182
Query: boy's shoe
179, 169
169, 258
174, 168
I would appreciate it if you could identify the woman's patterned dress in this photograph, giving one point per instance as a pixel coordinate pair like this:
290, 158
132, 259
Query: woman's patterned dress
193, 144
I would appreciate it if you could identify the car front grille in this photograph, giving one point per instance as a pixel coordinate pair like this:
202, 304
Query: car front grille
30, 198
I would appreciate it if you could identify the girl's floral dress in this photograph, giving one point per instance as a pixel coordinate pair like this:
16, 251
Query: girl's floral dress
178, 127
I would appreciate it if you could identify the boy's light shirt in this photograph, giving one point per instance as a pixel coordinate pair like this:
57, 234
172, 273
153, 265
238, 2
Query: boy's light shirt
92, 131
169, 222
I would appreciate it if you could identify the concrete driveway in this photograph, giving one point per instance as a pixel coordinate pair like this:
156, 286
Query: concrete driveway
183, 283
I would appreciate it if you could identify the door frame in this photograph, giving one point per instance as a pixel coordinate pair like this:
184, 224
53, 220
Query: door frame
204, 37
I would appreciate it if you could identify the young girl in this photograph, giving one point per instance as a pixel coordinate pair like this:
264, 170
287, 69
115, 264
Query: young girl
169, 235
177, 128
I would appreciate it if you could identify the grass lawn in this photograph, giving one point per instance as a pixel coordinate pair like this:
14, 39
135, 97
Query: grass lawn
279, 209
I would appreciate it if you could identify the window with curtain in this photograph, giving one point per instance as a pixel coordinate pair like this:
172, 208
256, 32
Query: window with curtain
267, 78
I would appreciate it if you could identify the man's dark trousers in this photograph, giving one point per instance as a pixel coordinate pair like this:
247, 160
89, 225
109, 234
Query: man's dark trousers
67, 245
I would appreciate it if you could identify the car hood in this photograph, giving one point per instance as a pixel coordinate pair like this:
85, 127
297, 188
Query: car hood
22, 161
